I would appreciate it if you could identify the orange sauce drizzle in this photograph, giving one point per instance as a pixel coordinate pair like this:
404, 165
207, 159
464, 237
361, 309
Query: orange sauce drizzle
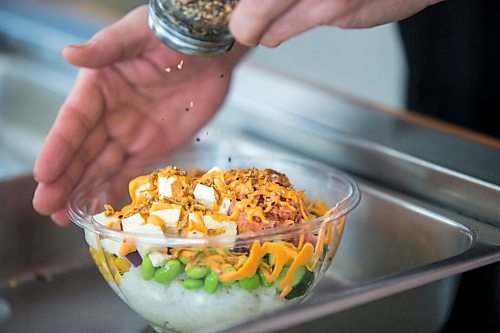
135, 184
320, 242
156, 220
214, 261
301, 241
281, 254
196, 224
302, 258
163, 205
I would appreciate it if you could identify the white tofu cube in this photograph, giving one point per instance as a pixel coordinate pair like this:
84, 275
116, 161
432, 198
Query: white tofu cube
169, 216
104, 220
131, 223
224, 206
158, 258
205, 195
230, 228
165, 186
144, 247
111, 246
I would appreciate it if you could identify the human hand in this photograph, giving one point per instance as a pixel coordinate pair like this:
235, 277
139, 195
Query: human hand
125, 108
269, 23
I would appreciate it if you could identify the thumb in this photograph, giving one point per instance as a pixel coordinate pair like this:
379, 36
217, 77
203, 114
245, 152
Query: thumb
122, 40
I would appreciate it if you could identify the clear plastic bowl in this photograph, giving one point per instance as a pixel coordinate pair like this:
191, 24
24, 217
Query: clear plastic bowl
170, 307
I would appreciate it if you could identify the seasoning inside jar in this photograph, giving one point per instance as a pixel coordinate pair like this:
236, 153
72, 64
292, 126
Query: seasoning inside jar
203, 17
193, 26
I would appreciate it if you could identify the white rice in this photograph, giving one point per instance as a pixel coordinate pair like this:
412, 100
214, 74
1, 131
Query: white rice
176, 308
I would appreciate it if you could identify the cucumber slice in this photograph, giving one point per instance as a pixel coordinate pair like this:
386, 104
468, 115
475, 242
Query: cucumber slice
302, 287
297, 276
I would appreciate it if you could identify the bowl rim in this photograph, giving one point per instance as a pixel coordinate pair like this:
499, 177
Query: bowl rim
352, 198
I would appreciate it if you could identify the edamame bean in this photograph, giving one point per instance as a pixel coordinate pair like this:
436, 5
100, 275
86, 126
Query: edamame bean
168, 272
229, 283
211, 282
184, 260
147, 269
197, 272
192, 283
250, 283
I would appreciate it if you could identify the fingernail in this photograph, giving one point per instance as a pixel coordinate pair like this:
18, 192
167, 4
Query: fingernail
35, 177
80, 46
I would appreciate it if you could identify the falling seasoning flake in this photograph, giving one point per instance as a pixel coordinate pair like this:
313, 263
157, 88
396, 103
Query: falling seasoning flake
168, 69
221, 75
186, 109
198, 140
179, 66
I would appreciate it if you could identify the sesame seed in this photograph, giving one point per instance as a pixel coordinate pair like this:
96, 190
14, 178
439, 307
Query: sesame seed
179, 66
191, 104
168, 69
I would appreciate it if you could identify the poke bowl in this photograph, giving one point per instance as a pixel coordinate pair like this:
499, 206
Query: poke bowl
206, 240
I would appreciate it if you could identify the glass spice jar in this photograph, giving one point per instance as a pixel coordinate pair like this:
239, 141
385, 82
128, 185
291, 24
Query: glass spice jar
196, 27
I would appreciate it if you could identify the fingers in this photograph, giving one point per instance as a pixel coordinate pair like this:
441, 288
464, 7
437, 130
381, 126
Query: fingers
76, 120
251, 18
60, 217
303, 16
123, 40
270, 23
49, 199
110, 160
